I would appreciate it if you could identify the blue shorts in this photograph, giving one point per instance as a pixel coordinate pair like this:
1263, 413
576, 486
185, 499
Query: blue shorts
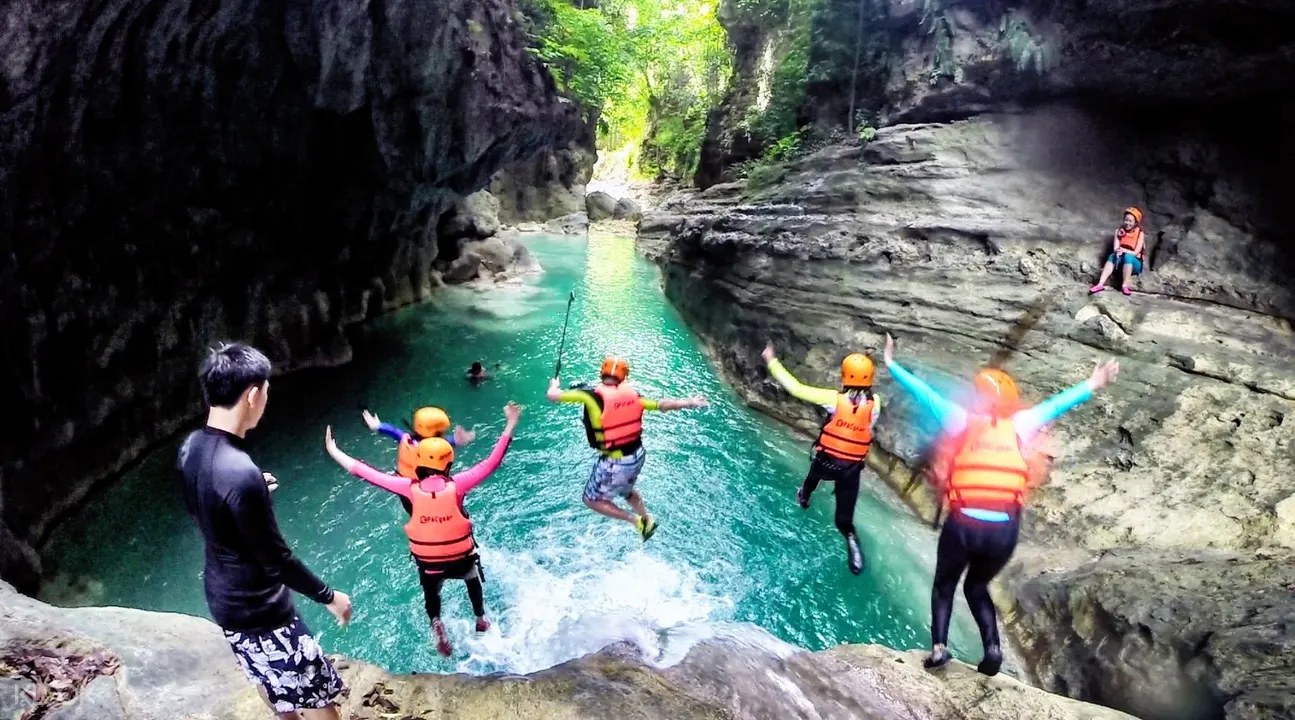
614, 477
289, 664
1127, 258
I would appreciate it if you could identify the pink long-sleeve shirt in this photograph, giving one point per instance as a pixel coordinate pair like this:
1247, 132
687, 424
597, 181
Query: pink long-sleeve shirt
464, 481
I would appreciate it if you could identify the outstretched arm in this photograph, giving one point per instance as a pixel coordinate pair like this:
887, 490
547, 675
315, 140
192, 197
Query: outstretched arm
952, 418
673, 404
390, 483
1029, 421
808, 393
465, 481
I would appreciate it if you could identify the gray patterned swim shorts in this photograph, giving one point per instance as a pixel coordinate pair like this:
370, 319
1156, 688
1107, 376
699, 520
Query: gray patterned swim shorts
289, 663
614, 478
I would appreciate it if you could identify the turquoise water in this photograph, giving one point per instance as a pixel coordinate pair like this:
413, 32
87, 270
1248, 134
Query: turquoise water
560, 581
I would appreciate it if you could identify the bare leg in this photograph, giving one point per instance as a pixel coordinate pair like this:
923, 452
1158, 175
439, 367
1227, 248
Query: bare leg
1107, 269
608, 508
636, 502
1128, 274
328, 713
266, 699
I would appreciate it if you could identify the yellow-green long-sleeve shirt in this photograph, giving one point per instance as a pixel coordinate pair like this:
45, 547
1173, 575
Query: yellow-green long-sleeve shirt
823, 397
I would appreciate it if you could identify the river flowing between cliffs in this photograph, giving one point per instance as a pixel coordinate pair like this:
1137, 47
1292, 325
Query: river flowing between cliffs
733, 547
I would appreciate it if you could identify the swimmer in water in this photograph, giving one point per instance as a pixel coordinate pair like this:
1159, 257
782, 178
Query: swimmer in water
477, 374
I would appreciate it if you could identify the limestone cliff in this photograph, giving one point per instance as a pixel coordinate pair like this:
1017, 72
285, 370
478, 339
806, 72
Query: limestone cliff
160, 666
978, 239
173, 173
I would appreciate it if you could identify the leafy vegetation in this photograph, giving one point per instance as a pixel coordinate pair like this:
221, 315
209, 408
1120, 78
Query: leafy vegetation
651, 70
1027, 52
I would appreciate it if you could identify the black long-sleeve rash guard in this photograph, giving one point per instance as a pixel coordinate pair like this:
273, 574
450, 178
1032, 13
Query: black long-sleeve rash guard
247, 563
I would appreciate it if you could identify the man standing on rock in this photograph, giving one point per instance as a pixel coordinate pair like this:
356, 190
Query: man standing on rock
248, 569
843, 443
985, 469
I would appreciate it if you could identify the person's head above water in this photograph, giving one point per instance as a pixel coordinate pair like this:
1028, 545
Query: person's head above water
476, 368
435, 455
235, 380
996, 393
1132, 218
430, 422
614, 370
857, 371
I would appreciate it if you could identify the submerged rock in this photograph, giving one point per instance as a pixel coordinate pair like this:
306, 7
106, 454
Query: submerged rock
178, 666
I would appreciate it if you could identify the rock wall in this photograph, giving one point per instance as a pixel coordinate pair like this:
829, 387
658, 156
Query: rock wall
171, 666
548, 186
943, 60
174, 173
978, 239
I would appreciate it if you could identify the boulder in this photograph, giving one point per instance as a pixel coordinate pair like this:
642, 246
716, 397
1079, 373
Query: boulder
573, 224
475, 216
599, 206
627, 209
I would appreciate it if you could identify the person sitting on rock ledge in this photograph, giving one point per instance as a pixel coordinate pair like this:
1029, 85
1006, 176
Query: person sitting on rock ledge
1126, 252
842, 445
988, 447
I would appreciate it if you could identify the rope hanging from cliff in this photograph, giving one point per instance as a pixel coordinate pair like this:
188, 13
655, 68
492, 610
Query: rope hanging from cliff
557, 370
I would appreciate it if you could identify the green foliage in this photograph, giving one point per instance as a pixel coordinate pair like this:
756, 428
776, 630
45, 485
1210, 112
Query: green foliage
776, 112
849, 61
1019, 43
760, 177
867, 134
944, 64
653, 68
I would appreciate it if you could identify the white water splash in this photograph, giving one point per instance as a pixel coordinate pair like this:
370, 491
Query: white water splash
560, 607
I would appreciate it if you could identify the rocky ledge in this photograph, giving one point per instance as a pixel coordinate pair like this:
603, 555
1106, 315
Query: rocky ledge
1173, 495
158, 666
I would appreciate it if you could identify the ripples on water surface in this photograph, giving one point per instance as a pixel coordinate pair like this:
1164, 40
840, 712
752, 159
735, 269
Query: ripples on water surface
560, 581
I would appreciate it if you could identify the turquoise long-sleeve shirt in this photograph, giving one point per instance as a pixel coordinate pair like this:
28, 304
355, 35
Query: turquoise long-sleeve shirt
953, 418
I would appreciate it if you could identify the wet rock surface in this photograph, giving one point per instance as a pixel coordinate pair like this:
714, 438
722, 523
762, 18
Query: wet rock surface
178, 666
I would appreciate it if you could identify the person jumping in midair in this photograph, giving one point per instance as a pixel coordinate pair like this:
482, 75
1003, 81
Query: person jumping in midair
984, 481
842, 445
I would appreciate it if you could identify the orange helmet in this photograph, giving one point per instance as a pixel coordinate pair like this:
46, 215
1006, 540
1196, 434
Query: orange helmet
430, 422
435, 453
1136, 213
857, 370
616, 367
997, 390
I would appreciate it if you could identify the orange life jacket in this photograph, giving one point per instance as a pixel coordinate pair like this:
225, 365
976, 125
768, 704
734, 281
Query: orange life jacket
847, 435
1129, 238
622, 417
989, 470
407, 457
438, 530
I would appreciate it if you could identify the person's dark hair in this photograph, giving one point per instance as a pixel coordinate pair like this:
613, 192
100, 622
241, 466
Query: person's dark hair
476, 367
229, 370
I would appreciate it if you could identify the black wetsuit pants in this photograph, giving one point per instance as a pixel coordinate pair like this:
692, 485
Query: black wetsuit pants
846, 476
981, 549
432, 583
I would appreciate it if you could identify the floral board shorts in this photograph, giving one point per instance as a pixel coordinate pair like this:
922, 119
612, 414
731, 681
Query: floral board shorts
289, 663
614, 477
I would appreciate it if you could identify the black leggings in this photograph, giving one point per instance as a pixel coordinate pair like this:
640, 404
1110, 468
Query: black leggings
846, 476
982, 549
432, 590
